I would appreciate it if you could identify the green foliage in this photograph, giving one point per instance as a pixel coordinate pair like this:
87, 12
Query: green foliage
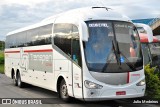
2, 68
2, 45
152, 82
1, 62
1, 58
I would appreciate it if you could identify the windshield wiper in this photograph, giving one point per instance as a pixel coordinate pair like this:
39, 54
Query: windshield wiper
117, 53
115, 46
129, 64
117, 58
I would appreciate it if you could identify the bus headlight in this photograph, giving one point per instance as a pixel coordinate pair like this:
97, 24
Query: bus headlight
141, 83
91, 85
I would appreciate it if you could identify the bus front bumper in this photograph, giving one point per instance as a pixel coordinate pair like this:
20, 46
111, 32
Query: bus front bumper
105, 94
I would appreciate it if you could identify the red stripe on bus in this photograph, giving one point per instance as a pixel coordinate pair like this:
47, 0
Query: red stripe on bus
12, 51
45, 50
128, 76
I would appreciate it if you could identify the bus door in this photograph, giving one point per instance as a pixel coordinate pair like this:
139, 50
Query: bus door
67, 57
76, 64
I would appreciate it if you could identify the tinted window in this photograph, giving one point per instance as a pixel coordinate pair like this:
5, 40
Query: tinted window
141, 30
21, 39
98, 48
155, 53
39, 36
11, 41
32, 36
146, 53
76, 53
45, 33
111, 45
67, 39
62, 37
7, 43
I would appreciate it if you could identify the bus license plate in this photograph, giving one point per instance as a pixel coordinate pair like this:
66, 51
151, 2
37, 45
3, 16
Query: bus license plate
121, 93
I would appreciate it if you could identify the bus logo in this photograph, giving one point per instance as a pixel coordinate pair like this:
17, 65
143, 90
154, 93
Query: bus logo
23, 60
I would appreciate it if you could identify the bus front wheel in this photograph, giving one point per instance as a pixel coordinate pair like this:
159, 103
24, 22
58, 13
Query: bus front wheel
63, 91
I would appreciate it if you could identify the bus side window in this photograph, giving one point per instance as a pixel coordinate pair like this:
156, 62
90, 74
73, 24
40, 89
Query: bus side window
32, 36
13, 41
76, 53
45, 33
7, 42
146, 53
21, 39
63, 37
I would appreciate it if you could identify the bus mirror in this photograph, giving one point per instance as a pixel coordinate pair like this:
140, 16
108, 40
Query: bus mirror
83, 30
149, 32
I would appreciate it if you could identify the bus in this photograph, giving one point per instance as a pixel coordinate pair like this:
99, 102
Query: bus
145, 29
151, 51
147, 48
155, 53
83, 53
150, 44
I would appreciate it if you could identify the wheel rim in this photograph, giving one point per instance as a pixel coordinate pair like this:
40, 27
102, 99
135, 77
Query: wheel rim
64, 90
19, 81
14, 79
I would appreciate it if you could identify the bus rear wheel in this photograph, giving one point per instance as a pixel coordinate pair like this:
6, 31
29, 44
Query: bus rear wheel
15, 80
63, 91
19, 82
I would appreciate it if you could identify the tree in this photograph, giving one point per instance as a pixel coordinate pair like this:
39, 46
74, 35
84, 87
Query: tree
152, 82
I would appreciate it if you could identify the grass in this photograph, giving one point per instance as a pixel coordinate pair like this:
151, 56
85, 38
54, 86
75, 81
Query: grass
1, 62
2, 68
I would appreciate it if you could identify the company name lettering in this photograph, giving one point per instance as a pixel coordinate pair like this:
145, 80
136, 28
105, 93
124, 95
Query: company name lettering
41, 58
98, 25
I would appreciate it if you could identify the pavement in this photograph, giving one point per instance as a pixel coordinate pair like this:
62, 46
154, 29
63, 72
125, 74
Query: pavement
8, 90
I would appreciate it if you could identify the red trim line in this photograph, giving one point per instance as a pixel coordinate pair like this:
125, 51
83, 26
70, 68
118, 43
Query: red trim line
12, 51
128, 77
45, 50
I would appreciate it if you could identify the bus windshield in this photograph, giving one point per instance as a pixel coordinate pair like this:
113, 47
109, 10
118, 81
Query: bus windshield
112, 46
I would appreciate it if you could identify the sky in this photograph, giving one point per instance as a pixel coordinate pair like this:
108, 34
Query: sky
15, 14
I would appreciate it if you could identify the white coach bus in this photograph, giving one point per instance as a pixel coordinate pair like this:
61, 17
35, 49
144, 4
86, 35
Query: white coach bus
148, 42
89, 53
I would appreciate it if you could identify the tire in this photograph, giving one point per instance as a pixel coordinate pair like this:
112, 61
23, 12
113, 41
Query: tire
19, 82
15, 80
63, 91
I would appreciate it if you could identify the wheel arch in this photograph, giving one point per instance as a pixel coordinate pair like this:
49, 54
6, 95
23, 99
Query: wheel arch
60, 78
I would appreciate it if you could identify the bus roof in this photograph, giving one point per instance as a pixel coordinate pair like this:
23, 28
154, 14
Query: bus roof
80, 14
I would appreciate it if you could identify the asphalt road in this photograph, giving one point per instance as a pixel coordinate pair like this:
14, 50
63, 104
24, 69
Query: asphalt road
8, 90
